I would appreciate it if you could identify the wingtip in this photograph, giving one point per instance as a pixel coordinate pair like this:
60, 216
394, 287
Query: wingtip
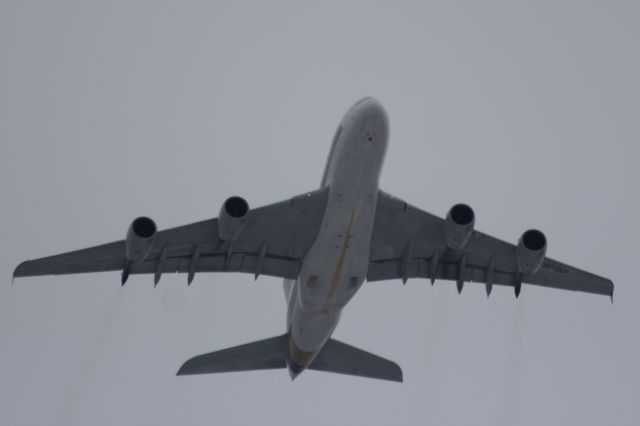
17, 271
184, 369
399, 375
394, 373
612, 289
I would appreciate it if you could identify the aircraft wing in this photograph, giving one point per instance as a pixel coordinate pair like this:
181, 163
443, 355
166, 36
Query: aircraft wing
273, 242
408, 242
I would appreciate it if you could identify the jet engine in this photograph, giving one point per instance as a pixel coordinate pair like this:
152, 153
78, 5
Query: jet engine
140, 238
530, 251
458, 226
232, 218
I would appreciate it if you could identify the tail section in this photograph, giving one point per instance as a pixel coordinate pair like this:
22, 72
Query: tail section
338, 357
335, 357
264, 354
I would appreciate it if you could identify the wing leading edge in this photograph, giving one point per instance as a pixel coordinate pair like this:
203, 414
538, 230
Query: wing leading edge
408, 242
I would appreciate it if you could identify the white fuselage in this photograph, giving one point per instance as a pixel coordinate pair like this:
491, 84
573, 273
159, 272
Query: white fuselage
336, 265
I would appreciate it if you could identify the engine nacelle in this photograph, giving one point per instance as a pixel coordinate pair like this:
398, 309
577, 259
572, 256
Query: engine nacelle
232, 218
140, 238
458, 226
530, 251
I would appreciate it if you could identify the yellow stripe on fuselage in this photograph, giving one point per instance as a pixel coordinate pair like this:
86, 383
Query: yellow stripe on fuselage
343, 255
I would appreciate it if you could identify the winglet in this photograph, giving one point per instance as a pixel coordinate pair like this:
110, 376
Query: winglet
611, 295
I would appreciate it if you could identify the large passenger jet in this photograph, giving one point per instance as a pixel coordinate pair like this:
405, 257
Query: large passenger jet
325, 244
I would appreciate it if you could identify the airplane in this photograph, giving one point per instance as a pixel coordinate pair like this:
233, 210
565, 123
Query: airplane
325, 244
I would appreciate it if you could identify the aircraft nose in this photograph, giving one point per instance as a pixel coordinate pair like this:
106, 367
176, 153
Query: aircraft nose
374, 118
369, 106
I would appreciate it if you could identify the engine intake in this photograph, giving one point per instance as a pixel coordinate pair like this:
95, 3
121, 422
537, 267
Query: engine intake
458, 226
140, 238
232, 218
531, 251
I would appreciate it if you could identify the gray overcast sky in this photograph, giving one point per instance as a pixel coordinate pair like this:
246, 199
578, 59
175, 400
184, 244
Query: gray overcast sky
528, 111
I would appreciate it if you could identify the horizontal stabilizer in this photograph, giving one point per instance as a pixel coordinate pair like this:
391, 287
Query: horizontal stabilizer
338, 357
335, 357
264, 354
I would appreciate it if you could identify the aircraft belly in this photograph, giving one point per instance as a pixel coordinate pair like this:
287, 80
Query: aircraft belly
332, 272
336, 265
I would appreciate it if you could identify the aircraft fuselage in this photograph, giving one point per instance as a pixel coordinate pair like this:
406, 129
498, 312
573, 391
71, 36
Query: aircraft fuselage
336, 265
